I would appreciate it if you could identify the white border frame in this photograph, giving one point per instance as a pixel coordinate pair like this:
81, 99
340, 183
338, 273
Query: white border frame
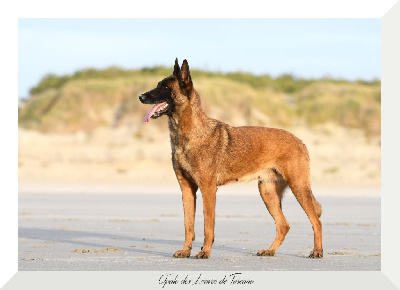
11, 11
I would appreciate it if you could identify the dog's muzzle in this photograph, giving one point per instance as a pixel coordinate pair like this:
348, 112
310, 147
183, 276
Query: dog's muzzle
142, 98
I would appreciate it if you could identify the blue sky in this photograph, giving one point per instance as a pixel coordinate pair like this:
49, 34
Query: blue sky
310, 48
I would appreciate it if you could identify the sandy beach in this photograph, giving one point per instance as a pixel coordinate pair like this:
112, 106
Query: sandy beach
131, 230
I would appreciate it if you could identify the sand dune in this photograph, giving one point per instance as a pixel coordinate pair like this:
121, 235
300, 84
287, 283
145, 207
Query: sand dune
339, 157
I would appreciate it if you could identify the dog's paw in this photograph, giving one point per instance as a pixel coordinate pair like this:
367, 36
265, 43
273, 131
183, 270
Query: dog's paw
316, 254
266, 253
203, 255
182, 254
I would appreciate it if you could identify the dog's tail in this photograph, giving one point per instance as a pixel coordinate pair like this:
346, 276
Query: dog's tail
317, 205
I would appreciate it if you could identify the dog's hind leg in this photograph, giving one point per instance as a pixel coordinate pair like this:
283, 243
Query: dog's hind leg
189, 208
271, 193
302, 191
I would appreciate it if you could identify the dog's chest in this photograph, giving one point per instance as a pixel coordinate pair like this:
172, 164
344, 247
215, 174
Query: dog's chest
188, 155
181, 155
194, 151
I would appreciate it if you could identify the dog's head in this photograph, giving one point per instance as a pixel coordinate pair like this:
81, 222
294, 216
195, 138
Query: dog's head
170, 94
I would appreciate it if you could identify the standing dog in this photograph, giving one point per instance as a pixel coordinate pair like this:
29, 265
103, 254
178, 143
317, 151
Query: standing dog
207, 153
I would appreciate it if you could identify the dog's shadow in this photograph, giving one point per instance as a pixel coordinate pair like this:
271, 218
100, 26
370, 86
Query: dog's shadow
76, 238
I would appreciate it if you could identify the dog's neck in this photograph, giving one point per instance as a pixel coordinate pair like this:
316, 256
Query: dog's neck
188, 120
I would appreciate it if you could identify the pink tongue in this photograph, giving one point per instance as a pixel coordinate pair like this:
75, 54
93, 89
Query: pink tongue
152, 111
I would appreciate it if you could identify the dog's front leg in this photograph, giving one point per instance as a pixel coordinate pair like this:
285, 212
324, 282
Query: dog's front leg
209, 199
188, 189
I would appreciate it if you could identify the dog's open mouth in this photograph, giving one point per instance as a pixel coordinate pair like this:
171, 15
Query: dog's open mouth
156, 111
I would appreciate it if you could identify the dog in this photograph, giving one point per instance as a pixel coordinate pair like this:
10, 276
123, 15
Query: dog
207, 153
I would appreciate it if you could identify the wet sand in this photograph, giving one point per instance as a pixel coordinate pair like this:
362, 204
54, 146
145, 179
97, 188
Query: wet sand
140, 230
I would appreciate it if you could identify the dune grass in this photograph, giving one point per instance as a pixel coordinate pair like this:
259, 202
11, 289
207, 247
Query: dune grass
92, 98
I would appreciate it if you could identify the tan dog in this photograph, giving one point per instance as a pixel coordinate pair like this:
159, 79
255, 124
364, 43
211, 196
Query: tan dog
207, 153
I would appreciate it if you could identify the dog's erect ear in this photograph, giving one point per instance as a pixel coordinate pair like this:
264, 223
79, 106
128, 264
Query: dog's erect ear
185, 80
177, 70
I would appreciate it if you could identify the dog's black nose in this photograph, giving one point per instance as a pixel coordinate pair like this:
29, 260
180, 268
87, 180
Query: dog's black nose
141, 98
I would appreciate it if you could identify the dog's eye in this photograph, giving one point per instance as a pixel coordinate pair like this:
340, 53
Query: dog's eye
166, 88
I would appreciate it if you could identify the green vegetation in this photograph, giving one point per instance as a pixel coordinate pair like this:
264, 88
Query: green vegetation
91, 98
331, 170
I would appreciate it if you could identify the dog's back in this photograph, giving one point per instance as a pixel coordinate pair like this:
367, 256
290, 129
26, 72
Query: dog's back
252, 152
